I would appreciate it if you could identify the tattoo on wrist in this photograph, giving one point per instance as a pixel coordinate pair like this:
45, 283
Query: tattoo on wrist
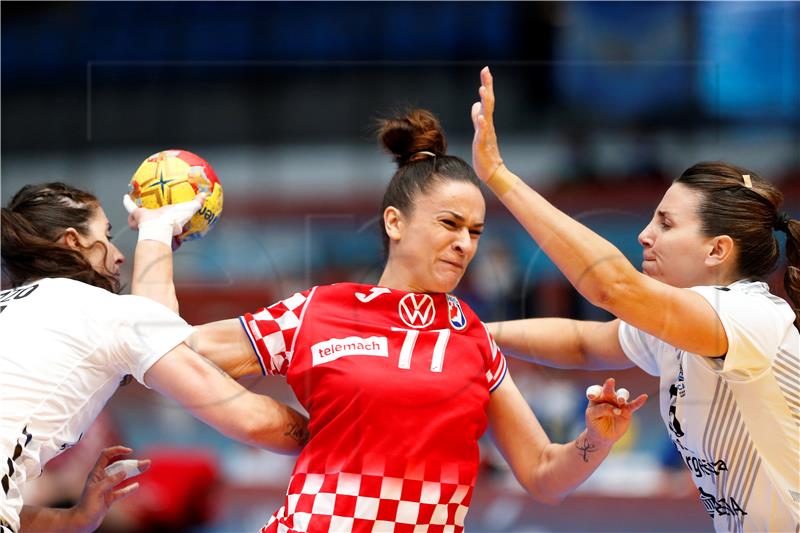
298, 432
585, 448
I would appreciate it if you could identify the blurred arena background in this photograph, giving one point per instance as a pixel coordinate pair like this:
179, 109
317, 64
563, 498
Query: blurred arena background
600, 106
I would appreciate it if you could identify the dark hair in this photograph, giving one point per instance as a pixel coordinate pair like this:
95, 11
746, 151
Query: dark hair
749, 215
407, 137
32, 224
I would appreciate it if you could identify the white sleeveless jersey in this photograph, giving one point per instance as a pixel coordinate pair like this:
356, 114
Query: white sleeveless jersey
735, 420
64, 348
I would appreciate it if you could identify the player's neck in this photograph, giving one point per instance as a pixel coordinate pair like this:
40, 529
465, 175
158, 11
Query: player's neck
398, 279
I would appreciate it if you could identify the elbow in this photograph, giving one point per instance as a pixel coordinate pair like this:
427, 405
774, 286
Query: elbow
549, 498
607, 286
260, 432
543, 490
281, 429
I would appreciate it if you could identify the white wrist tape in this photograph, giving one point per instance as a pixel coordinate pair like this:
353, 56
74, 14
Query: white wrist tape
156, 230
129, 466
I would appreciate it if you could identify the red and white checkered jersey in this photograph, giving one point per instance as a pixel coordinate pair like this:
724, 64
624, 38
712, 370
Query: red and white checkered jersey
396, 385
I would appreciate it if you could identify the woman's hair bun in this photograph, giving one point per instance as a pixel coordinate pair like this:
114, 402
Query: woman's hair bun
416, 130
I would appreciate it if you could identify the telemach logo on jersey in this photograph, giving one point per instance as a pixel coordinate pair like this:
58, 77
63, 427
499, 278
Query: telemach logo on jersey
332, 349
417, 310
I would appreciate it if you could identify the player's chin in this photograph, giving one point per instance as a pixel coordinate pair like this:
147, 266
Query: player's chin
447, 281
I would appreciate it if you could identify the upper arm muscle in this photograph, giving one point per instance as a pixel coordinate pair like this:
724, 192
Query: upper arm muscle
227, 345
600, 345
679, 317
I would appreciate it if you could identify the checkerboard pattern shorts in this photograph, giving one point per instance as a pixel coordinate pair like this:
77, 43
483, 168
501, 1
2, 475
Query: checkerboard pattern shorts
422, 498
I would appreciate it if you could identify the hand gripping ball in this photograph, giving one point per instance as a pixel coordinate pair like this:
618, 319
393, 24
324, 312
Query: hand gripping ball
175, 176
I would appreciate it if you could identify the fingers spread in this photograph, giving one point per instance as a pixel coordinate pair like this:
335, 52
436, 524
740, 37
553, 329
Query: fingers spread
107, 454
607, 394
622, 395
103, 483
608, 388
122, 493
603, 410
638, 403
593, 392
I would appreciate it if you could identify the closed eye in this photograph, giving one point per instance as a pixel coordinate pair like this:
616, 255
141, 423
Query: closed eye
451, 224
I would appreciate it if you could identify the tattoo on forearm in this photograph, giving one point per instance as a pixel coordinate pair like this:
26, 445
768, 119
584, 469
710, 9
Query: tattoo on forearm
298, 432
585, 448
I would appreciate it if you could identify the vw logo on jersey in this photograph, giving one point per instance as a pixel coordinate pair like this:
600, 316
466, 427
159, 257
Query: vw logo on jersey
457, 317
417, 310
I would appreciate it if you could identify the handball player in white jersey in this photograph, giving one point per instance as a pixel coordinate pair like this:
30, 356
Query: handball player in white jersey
700, 316
68, 341
401, 378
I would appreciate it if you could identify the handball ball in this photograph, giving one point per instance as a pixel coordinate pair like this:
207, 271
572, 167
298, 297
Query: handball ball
175, 176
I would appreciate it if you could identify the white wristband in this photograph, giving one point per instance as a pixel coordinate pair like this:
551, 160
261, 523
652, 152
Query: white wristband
156, 230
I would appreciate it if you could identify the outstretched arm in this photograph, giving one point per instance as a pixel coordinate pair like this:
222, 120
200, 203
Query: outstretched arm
211, 395
594, 266
99, 494
225, 342
548, 471
152, 262
563, 343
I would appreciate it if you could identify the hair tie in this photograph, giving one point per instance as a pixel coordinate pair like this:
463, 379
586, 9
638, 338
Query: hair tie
781, 222
417, 156
747, 181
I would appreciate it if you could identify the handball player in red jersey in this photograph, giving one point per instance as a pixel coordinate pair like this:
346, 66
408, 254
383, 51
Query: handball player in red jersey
401, 379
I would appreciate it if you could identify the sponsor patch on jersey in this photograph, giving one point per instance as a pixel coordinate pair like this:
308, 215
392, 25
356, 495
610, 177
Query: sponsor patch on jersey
417, 310
332, 349
457, 317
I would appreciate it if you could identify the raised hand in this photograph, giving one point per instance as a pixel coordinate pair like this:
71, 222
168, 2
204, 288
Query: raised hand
164, 224
176, 214
100, 491
485, 152
608, 415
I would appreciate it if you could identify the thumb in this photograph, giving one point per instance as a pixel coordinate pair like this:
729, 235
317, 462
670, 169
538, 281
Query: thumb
476, 110
130, 205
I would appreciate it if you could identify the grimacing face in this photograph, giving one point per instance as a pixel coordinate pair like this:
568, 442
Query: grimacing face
675, 251
432, 245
